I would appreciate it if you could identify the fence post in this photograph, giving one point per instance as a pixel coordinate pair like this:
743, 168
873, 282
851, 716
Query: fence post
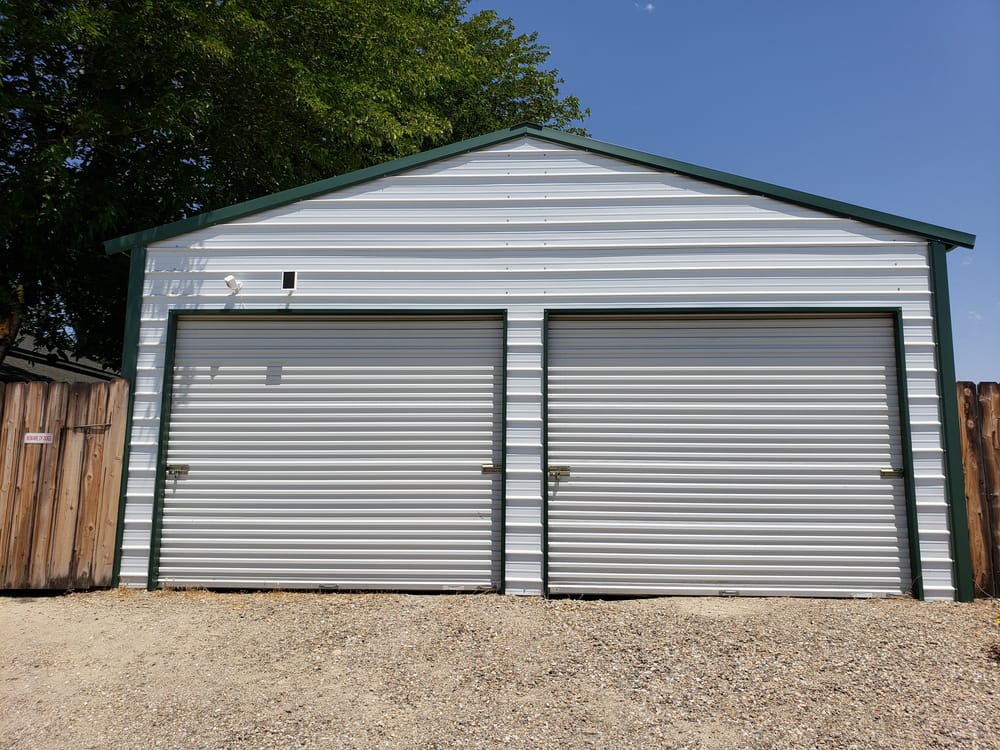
989, 411
975, 499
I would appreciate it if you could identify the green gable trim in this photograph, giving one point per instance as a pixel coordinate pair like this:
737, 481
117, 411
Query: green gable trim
950, 237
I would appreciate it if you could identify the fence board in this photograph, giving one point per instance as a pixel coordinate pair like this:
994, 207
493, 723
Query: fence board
68, 496
975, 498
59, 500
18, 554
83, 552
10, 453
989, 410
53, 420
114, 461
8, 418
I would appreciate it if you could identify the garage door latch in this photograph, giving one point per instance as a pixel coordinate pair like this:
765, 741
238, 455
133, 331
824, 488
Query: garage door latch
558, 472
892, 473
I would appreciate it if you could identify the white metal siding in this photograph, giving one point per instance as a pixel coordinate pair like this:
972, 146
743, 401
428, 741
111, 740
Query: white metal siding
725, 454
334, 452
527, 226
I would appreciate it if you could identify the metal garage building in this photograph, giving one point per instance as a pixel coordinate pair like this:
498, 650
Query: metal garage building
538, 363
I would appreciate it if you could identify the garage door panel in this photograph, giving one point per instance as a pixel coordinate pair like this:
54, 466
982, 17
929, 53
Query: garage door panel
754, 440
334, 452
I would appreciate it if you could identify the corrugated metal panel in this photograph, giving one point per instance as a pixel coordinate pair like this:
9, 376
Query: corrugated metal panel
334, 452
506, 259
523, 551
714, 454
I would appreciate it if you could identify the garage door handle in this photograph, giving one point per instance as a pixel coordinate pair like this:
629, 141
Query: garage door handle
558, 472
892, 473
492, 469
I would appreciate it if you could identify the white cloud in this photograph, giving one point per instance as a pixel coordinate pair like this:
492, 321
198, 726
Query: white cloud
648, 7
973, 315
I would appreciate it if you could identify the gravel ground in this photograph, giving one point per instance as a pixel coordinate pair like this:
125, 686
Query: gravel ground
134, 669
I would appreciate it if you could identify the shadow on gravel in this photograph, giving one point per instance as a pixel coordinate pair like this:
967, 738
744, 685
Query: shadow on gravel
30, 595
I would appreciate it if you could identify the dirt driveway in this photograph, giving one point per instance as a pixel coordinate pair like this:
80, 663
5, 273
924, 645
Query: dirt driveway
201, 670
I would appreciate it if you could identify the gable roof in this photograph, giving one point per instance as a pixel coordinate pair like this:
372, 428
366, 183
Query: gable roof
950, 237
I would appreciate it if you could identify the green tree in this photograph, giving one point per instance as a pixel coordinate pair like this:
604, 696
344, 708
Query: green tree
119, 116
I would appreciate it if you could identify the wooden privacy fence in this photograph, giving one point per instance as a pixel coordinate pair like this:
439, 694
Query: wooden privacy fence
979, 412
61, 449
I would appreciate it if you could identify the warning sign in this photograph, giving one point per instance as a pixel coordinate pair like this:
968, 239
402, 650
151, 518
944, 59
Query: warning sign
38, 437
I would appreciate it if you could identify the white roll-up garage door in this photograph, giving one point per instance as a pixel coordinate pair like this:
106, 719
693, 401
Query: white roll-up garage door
334, 452
725, 455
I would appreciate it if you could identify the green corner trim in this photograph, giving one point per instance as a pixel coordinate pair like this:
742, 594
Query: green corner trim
133, 315
954, 482
950, 237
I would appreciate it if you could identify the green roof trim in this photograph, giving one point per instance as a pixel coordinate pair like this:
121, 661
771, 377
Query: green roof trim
950, 237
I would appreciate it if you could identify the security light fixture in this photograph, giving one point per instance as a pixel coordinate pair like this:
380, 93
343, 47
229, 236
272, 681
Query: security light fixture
233, 283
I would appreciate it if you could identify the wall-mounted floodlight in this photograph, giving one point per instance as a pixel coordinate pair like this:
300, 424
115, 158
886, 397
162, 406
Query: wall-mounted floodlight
233, 283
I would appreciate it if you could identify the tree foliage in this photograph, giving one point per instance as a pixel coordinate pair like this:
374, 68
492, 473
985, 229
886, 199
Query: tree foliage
118, 116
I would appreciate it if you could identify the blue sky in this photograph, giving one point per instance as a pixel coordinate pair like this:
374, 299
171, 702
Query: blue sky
889, 104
